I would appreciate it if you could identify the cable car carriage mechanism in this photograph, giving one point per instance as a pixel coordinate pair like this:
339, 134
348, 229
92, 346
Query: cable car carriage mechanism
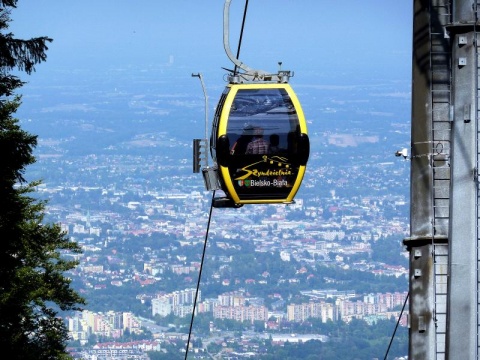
259, 141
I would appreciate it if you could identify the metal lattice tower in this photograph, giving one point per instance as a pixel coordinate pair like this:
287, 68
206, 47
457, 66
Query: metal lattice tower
444, 237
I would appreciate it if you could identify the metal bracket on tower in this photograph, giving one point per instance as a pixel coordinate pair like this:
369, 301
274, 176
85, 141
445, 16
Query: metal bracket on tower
440, 150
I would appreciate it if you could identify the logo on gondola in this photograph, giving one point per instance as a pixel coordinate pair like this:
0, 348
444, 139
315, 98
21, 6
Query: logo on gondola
271, 171
245, 183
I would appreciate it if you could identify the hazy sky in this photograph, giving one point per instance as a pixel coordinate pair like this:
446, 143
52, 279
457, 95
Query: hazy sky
316, 33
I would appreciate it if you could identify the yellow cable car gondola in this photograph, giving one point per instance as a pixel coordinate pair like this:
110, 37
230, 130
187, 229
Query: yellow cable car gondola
260, 143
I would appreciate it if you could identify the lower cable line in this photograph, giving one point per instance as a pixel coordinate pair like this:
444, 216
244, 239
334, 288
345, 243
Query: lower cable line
199, 277
210, 213
396, 326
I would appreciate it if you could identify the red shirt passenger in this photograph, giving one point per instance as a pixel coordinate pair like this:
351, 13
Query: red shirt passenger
258, 145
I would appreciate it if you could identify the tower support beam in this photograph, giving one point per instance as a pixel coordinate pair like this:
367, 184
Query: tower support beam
462, 321
444, 238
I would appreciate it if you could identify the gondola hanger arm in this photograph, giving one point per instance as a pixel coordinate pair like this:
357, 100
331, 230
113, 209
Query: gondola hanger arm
226, 44
250, 74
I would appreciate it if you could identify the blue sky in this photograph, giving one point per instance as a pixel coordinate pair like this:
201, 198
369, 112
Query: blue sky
328, 35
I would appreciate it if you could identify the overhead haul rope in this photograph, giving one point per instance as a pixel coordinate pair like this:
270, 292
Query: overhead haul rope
396, 326
211, 208
199, 276
241, 36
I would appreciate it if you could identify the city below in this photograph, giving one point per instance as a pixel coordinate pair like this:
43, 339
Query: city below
120, 183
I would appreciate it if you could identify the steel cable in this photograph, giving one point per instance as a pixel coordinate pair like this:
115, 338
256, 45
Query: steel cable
211, 208
199, 276
396, 327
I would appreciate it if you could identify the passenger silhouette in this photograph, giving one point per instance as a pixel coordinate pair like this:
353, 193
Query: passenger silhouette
258, 145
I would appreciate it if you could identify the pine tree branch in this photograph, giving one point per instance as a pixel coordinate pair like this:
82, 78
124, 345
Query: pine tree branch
22, 54
9, 3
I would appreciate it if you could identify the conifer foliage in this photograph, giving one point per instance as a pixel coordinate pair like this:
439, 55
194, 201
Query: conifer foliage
33, 284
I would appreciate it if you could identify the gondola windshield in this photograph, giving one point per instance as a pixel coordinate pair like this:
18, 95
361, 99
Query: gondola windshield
262, 145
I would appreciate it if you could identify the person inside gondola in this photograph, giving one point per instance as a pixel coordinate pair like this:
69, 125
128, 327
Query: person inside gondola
258, 145
240, 146
274, 144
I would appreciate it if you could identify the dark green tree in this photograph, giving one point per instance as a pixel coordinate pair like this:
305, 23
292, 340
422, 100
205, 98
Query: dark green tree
33, 287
